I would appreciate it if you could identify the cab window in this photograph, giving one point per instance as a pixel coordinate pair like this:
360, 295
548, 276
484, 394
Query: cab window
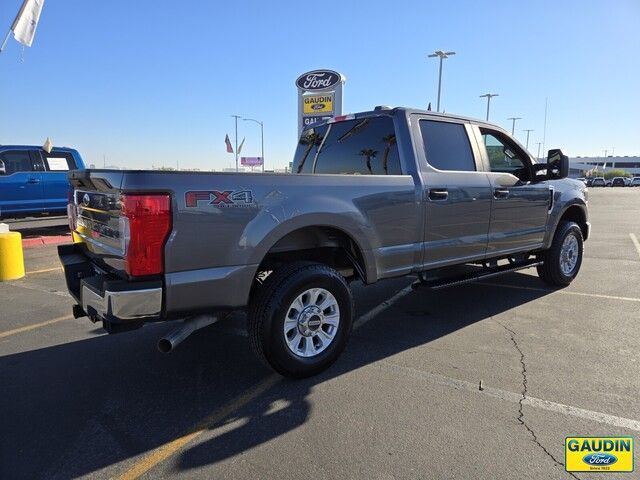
58, 161
365, 146
505, 156
307, 149
16, 161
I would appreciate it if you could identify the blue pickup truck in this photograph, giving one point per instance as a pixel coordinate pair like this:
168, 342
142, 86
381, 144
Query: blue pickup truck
33, 181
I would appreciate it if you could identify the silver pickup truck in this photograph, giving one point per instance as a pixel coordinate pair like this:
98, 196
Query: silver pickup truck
373, 195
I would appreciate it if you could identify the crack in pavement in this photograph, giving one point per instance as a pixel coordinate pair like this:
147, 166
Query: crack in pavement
523, 396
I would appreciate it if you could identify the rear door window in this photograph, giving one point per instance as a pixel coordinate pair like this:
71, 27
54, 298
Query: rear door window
58, 161
447, 146
16, 161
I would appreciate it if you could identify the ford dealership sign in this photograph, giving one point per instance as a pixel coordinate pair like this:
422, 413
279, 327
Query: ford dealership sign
319, 97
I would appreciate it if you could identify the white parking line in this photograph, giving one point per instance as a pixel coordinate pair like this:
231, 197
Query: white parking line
170, 448
635, 241
564, 292
15, 331
39, 288
534, 402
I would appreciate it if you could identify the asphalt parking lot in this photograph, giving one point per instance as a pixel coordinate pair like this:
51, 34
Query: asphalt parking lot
402, 402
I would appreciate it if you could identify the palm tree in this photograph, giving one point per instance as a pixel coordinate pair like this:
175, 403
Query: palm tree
369, 153
310, 140
389, 141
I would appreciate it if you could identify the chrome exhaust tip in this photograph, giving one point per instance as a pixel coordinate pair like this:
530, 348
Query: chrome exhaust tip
171, 340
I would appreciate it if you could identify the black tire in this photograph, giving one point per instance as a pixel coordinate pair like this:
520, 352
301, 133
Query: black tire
550, 271
268, 308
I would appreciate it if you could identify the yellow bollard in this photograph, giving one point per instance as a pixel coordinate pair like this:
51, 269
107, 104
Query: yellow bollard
11, 258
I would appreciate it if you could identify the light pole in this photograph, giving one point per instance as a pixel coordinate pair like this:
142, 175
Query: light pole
488, 96
261, 136
528, 130
538, 156
513, 124
236, 150
442, 55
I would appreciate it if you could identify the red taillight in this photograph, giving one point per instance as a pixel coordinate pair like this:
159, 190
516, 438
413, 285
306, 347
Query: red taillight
149, 224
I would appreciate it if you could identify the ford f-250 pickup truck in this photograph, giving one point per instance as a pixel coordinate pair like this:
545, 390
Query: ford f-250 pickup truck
373, 195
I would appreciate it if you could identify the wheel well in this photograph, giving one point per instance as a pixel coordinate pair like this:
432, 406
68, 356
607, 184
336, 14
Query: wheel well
577, 215
326, 245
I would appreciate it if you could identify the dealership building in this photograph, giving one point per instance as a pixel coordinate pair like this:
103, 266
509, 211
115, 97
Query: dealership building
577, 165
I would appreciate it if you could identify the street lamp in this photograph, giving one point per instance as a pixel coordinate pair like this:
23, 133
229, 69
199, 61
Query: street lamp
488, 96
236, 117
261, 136
513, 124
442, 55
528, 130
538, 156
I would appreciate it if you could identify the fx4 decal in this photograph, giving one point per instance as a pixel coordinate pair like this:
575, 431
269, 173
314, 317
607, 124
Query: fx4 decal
226, 198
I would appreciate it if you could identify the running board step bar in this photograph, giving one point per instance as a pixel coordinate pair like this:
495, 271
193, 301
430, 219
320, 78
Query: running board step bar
487, 272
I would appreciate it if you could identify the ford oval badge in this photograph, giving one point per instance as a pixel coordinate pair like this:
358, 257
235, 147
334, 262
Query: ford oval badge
599, 459
318, 80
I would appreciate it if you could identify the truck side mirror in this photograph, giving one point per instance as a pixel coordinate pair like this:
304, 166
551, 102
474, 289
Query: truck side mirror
557, 164
3, 169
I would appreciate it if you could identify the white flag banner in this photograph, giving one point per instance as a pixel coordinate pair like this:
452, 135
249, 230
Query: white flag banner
25, 24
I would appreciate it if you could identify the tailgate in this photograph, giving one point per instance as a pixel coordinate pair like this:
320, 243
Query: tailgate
95, 211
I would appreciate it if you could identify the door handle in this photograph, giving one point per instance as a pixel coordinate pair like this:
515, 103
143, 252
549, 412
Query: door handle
438, 194
33, 180
501, 193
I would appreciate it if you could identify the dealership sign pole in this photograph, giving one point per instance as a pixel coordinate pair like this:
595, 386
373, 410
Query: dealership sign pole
319, 97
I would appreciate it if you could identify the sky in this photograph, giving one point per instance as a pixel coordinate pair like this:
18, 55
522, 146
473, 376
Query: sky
151, 83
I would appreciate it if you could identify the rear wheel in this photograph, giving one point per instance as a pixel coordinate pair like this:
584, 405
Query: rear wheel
562, 261
299, 320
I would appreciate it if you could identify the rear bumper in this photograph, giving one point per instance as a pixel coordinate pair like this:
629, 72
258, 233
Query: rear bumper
102, 297
121, 305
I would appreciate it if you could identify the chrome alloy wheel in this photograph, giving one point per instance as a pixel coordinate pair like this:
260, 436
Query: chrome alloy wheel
569, 255
311, 322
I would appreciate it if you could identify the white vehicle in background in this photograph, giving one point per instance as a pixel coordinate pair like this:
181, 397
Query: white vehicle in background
635, 182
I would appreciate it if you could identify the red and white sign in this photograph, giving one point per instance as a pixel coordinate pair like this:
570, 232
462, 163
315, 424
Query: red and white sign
250, 161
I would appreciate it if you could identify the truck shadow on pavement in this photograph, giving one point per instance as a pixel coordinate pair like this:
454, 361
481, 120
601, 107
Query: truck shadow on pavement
82, 407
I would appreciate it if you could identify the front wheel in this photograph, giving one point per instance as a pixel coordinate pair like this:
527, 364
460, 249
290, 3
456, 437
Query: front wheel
299, 320
562, 261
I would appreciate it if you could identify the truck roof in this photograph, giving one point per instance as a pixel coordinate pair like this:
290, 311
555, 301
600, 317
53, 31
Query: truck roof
381, 110
37, 147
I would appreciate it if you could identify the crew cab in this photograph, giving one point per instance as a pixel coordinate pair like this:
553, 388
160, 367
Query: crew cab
374, 195
34, 181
